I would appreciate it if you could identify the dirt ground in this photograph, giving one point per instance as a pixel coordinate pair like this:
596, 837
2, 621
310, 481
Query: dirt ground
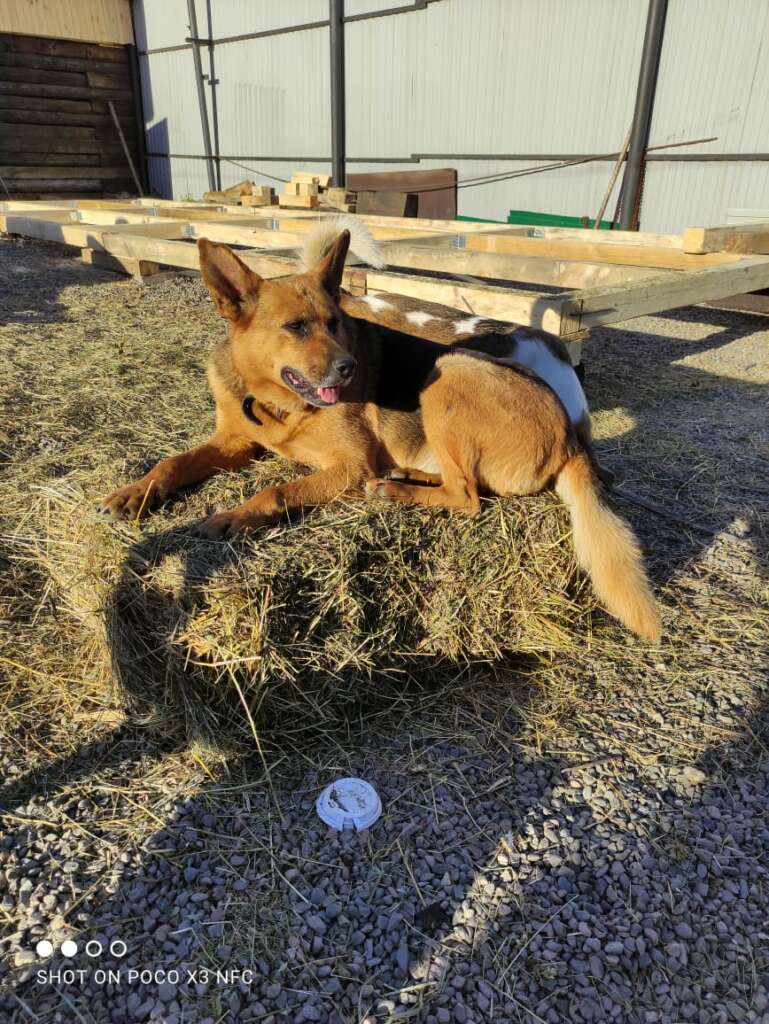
586, 841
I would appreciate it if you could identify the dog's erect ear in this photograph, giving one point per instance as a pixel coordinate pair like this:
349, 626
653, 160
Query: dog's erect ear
331, 267
230, 282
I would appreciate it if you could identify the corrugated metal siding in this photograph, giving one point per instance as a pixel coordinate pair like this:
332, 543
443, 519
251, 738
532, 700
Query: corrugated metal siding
468, 78
713, 80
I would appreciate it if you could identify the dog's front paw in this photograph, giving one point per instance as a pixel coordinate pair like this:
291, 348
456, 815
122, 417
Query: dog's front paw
225, 525
133, 501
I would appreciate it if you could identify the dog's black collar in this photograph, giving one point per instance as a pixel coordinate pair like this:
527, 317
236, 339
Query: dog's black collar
248, 410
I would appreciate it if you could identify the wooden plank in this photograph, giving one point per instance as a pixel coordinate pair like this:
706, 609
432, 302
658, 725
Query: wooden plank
30, 137
596, 252
119, 264
531, 270
58, 117
97, 21
524, 307
71, 92
583, 310
27, 159
634, 238
42, 62
10, 103
40, 77
67, 171
736, 238
84, 235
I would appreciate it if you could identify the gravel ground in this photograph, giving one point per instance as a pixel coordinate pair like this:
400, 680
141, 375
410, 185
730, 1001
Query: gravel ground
590, 860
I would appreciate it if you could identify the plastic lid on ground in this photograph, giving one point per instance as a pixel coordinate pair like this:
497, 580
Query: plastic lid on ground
349, 803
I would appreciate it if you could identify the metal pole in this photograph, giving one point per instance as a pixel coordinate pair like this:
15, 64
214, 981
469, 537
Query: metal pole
213, 81
644, 108
126, 150
336, 34
201, 93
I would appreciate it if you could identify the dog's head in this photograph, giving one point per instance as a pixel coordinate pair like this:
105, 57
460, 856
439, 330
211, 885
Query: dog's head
288, 342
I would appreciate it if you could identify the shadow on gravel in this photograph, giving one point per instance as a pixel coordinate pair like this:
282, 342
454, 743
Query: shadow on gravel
497, 886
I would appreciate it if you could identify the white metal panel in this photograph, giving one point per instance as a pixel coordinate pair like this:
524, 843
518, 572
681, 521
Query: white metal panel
160, 24
713, 80
273, 96
493, 76
239, 17
462, 79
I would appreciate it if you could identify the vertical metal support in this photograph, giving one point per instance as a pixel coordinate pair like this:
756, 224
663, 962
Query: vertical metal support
644, 109
338, 142
136, 86
201, 93
213, 81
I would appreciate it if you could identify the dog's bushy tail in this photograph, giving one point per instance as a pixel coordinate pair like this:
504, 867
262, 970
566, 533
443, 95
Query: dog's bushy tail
320, 239
608, 550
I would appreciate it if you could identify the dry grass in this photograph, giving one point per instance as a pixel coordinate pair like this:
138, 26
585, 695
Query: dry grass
359, 612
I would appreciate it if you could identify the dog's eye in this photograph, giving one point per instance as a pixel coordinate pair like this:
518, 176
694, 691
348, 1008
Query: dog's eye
298, 327
333, 325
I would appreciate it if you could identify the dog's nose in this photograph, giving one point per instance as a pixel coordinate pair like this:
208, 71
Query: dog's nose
344, 366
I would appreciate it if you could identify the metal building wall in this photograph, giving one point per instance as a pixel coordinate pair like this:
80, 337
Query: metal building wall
463, 83
713, 80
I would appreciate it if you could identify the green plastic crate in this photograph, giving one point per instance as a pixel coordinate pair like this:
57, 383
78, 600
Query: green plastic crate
551, 220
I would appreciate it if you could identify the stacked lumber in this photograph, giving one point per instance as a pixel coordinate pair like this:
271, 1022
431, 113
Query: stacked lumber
341, 199
261, 195
303, 189
245, 193
232, 194
310, 189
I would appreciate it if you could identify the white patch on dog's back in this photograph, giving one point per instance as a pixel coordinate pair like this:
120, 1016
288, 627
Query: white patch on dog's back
560, 376
419, 317
468, 325
377, 304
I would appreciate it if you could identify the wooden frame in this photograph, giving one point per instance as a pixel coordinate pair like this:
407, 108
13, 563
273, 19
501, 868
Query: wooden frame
562, 280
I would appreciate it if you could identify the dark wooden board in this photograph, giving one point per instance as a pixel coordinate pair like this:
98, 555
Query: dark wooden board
68, 171
50, 117
30, 136
62, 92
440, 202
36, 76
57, 135
28, 158
43, 63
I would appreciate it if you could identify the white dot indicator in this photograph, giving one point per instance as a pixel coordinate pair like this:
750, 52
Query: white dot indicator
118, 948
44, 948
68, 948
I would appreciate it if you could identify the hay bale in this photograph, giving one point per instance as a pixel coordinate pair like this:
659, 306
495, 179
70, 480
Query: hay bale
311, 621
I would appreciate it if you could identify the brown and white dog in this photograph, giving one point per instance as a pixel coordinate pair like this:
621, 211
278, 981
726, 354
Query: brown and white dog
378, 410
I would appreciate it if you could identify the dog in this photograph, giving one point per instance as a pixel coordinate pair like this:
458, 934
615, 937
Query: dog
379, 411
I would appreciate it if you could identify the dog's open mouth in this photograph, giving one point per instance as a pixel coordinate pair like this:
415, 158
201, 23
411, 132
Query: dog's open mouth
320, 396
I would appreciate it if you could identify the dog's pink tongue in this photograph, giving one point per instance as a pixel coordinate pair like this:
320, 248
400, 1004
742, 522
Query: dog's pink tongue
329, 395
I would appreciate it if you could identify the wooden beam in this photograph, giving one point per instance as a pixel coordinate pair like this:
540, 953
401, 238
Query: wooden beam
633, 238
119, 264
523, 307
583, 310
84, 236
501, 266
597, 252
736, 238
